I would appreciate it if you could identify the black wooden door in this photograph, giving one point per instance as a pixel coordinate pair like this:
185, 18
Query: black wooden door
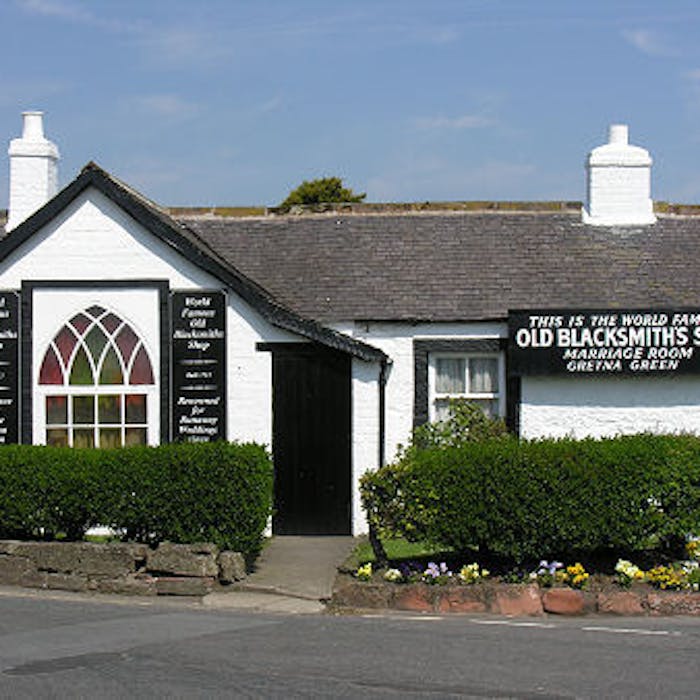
311, 441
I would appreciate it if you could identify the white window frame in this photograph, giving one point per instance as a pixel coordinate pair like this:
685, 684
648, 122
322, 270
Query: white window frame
434, 395
52, 307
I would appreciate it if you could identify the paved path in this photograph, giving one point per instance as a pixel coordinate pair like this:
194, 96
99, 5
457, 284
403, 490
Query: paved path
300, 567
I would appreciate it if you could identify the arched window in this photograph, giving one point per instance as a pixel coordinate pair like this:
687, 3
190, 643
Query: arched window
96, 379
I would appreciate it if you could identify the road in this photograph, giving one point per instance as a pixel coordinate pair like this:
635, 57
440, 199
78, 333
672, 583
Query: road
85, 648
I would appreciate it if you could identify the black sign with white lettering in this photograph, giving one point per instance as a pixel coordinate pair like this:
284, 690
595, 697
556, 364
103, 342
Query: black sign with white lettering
594, 342
9, 363
198, 330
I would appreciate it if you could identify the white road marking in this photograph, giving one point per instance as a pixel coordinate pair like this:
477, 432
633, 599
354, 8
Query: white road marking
589, 628
632, 630
512, 623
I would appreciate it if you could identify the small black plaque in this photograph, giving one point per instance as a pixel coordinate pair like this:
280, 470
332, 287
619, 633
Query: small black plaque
9, 363
604, 342
198, 330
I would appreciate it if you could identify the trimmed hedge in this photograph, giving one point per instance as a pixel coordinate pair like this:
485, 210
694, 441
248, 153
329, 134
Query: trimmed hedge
535, 499
213, 492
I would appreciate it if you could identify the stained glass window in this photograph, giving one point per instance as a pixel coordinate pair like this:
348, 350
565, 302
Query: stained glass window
106, 376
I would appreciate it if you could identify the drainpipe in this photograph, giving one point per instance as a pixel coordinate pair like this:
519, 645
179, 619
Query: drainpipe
383, 376
377, 546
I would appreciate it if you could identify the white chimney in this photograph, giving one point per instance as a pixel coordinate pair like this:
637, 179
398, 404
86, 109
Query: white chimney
618, 183
33, 170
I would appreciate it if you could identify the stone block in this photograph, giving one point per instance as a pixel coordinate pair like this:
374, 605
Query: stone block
620, 603
183, 585
517, 600
66, 582
128, 586
8, 546
673, 603
416, 597
184, 559
359, 595
463, 599
563, 601
14, 570
84, 558
231, 567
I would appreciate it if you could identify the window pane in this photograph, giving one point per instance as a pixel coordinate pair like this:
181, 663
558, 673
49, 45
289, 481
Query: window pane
483, 375
81, 373
111, 323
141, 372
57, 437
95, 311
126, 342
83, 438
65, 342
57, 409
50, 372
488, 406
442, 409
80, 322
135, 436
96, 340
111, 369
110, 437
449, 375
83, 409
135, 408
109, 409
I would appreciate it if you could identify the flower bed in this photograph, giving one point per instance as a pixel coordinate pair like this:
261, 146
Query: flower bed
551, 587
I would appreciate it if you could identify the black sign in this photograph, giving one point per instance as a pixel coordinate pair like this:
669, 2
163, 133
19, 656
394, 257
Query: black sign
199, 366
594, 342
9, 363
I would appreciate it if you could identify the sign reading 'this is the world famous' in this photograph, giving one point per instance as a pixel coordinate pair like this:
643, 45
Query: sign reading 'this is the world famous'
604, 342
199, 366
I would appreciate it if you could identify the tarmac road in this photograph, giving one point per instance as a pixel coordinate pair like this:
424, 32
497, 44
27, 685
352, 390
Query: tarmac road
82, 647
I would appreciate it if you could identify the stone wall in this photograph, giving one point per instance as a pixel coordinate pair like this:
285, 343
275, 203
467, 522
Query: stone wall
511, 599
132, 569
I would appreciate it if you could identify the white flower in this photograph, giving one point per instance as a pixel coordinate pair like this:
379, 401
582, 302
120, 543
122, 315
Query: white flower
393, 575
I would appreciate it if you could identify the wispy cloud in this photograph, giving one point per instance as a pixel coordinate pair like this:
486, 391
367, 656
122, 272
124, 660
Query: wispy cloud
274, 104
466, 121
437, 178
67, 11
166, 105
186, 46
29, 94
648, 42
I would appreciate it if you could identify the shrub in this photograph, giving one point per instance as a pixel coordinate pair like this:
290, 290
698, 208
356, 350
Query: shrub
44, 492
528, 499
215, 492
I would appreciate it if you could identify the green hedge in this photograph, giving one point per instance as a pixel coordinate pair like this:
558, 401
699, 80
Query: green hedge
537, 499
214, 492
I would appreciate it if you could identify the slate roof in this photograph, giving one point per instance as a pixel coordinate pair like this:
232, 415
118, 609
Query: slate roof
458, 266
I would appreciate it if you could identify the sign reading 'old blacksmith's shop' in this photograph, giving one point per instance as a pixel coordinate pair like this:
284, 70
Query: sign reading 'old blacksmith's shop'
604, 342
199, 366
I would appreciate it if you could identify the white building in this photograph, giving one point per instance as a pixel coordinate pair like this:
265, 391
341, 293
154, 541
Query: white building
329, 335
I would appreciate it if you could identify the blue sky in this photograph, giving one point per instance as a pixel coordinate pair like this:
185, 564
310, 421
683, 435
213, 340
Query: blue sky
234, 102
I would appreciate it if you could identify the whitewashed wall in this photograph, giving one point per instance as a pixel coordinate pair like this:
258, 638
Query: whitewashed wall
94, 239
602, 406
365, 432
396, 340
